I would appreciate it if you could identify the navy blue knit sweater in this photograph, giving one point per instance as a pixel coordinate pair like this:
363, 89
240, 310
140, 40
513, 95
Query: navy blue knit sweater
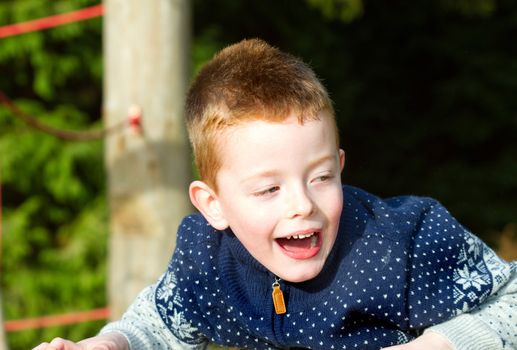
398, 266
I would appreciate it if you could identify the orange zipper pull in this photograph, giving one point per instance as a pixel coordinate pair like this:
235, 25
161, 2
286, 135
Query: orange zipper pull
278, 298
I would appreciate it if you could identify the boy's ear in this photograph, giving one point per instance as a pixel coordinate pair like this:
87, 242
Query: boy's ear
342, 159
205, 200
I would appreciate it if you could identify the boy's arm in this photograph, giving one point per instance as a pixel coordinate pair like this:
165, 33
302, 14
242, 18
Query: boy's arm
140, 328
108, 341
493, 325
455, 279
143, 327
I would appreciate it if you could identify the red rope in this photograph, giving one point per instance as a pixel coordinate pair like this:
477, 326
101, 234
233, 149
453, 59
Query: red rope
66, 134
51, 21
57, 320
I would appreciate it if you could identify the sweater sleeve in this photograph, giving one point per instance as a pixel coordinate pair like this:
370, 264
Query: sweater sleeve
492, 326
452, 272
144, 329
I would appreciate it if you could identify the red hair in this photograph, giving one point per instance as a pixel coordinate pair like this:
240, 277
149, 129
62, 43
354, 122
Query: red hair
247, 81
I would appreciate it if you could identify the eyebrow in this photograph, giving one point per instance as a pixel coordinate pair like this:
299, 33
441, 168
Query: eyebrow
263, 174
329, 157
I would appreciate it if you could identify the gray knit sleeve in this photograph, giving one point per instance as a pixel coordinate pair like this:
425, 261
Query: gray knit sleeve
143, 328
492, 326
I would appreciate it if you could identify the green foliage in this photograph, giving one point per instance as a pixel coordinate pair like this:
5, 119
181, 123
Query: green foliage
55, 216
471, 8
345, 10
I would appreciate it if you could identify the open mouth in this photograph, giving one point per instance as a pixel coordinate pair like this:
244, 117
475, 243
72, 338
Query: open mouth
300, 246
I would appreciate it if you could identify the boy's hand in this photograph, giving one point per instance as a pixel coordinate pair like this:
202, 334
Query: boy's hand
108, 341
427, 341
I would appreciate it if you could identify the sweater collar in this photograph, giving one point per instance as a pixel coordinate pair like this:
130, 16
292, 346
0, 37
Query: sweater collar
245, 259
241, 254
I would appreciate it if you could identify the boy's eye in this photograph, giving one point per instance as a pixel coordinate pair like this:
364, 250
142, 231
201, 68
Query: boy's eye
323, 178
267, 191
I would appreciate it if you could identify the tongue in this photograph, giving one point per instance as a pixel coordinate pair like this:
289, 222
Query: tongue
295, 245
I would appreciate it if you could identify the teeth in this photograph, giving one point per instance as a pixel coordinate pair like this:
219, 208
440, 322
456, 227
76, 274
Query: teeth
302, 236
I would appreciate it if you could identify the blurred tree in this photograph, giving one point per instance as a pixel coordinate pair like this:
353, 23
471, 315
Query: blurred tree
148, 173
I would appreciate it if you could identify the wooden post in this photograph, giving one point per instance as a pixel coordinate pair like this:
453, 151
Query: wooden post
146, 65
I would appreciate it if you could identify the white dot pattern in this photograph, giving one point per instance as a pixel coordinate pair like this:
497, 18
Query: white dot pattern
398, 266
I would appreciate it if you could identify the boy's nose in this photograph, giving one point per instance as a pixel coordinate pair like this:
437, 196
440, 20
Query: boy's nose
300, 204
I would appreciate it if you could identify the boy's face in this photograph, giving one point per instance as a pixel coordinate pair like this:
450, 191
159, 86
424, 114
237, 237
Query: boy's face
279, 190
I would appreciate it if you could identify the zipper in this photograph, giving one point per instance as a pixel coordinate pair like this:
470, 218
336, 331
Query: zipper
278, 297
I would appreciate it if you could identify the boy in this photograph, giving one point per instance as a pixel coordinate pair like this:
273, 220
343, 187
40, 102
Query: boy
283, 256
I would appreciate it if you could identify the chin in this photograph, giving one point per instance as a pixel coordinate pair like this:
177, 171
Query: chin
301, 276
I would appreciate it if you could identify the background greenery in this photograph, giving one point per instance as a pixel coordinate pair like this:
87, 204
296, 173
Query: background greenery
424, 93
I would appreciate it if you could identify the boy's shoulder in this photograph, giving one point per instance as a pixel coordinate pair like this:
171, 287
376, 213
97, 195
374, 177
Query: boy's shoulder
357, 196
400, 214
422, 241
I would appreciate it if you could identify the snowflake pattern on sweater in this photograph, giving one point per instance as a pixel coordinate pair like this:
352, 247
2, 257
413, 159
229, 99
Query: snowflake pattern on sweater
398, 266
478, 268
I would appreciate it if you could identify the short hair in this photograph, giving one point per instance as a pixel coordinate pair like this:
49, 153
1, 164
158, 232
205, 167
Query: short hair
248, 81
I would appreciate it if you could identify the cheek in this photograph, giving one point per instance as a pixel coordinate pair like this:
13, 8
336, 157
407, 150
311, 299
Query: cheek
334, 207
255, 235
260, 225
250, 223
